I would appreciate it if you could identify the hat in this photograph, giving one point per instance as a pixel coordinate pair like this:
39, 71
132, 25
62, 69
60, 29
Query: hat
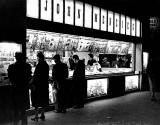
57, 56
91, 55
40, 54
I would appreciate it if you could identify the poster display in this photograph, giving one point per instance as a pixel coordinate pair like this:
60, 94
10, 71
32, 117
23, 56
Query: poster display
110, 21
58, 11
131, 82
97, 87
79, 13
123, 25
116, 23
46, 10
7, 52
133, 26
88, 16
69, 7
96, 18
33, 8
128, 25
103, 20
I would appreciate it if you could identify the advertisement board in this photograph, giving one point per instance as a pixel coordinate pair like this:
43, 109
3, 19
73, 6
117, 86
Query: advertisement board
7, 52
97, 87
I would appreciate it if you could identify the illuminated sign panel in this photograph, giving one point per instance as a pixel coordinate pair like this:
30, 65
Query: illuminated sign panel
69, 12
128, 26
88, 16
116, 23
137, 28
46, 10
32, 8
96, 17
133, 27
110, 21
103, 20
123, 25
79, 14
58, 11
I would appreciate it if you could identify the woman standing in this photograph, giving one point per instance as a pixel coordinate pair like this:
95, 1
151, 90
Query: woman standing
40, 87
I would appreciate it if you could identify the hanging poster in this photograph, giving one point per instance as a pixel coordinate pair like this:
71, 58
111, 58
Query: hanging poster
32, 8
128, 25
122, 25
79, 13
58, 11
116, 23
110, 21
46, 10
88, 16
69, 12
96, 18
137, 28
133, 27
103, 20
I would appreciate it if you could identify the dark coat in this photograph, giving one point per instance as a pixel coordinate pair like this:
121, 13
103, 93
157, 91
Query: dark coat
59, 75
40, 96
79, 83
19, 75
79, 72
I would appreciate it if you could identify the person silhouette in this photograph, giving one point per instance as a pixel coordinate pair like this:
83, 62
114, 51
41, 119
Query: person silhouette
19, 74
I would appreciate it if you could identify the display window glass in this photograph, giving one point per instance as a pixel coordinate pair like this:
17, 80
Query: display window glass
131, 82
97, 87
7, 53
110, 56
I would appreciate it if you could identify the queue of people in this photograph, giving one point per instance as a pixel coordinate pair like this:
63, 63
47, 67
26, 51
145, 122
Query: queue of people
20, 76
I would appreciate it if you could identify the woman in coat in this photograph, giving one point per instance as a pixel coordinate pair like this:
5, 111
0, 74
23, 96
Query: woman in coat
40, 86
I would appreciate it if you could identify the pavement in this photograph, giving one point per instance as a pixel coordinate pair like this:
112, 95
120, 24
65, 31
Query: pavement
130, 109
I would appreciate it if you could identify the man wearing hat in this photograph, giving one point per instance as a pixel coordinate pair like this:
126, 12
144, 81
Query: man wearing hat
19, 74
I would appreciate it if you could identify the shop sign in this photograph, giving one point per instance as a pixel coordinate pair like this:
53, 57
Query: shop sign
46, 10
110, 21
79, 13
116, 23
96, 18
122, 25
128, 26
137, 28
32, 8
58, 11
88, 16
103, 20
133, 31
69, 6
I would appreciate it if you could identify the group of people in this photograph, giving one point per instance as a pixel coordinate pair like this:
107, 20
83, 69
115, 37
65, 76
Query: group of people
20, 76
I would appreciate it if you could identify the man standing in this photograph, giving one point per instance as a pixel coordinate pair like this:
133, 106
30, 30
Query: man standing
19, 74
79, 82
59, 75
